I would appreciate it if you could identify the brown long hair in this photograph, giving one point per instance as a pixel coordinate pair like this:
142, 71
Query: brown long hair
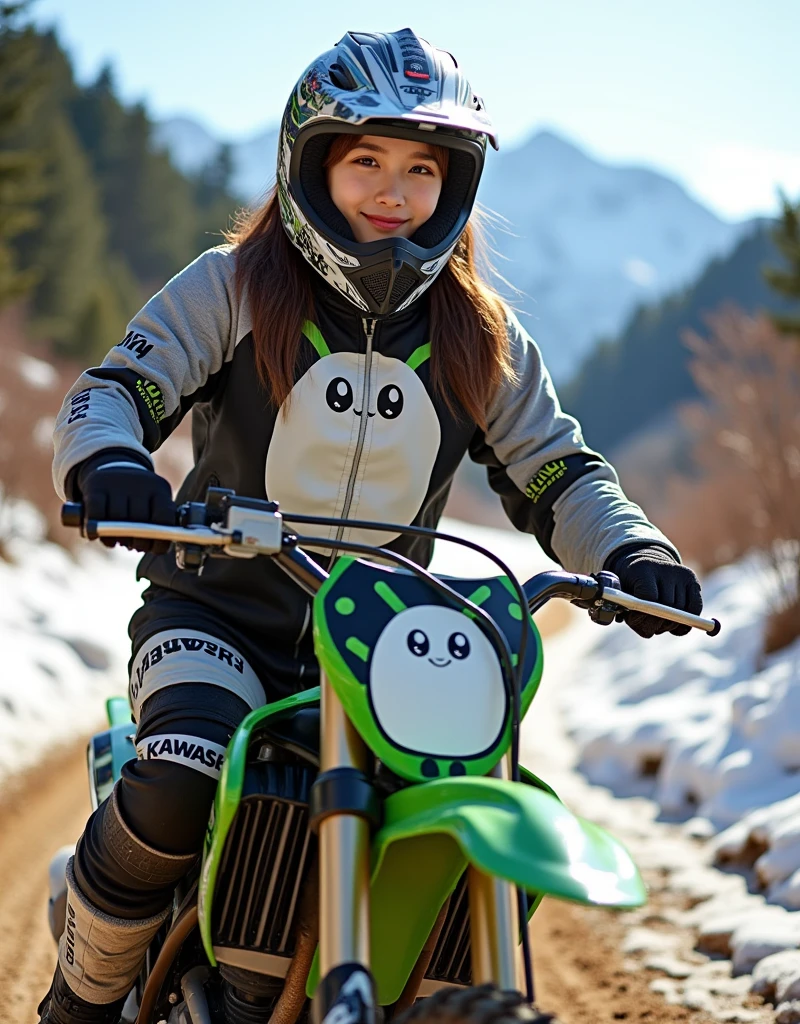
470, 353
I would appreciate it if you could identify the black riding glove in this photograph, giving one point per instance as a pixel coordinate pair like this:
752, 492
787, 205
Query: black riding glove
653, 574
120, 485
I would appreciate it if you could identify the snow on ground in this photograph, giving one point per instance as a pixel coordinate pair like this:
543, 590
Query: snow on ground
694, 731
63, 637
709, 731
63, 627
705, 728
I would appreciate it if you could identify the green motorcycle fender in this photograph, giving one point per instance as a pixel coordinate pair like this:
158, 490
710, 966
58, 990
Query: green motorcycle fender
516, 832
226, 801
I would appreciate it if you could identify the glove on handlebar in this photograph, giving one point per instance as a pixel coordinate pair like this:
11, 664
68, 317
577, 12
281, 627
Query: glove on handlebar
653, 574
119, 484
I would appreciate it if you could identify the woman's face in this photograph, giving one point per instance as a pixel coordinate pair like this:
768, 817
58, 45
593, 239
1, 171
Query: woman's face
385, 187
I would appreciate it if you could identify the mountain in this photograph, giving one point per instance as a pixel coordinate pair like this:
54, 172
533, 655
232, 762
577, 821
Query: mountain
191, 147
592, 241
584, 242
624, 386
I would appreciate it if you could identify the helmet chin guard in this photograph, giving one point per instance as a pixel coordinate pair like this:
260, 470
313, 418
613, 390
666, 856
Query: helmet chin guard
393, 85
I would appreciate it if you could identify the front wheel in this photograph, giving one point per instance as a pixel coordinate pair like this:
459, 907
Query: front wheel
484, 1004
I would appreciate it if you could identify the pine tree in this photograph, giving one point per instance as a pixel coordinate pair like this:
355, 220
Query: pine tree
69, 245
21, 179
93, 218
786, 281
213, 198
148, 203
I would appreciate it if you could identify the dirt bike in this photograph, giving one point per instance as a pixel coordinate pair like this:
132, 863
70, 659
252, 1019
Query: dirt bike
375, 847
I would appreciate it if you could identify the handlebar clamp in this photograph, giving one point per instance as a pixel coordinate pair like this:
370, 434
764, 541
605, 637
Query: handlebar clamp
600, 611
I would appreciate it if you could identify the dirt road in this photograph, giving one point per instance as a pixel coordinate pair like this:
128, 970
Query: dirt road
579, 968
46, 809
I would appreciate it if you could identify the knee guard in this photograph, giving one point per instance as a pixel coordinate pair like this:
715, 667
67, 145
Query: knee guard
120, 873
99, 955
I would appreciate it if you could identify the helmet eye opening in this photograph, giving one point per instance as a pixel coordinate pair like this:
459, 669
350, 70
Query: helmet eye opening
455, 201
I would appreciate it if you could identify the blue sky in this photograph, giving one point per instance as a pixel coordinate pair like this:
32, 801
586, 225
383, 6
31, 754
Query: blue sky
706, 91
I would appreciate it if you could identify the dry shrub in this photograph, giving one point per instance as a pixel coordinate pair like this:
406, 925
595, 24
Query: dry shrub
711, 515
783, 626
745, 493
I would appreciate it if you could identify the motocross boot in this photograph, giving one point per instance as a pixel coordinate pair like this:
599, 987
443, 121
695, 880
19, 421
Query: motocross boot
62, 1006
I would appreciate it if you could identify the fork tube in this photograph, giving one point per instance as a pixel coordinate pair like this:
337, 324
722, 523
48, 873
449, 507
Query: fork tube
343, 849
494, 923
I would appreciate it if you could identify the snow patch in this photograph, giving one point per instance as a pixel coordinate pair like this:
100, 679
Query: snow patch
640, 272
63, 632
36, 372
709, 729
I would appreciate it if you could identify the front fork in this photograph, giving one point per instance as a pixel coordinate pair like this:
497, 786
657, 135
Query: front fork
346, 993
343, 807
494, 922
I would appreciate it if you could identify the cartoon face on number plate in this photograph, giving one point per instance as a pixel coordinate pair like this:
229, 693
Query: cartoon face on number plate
422, 681
435, 684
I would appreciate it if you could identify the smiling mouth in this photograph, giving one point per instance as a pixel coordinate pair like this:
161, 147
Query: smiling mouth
359, 411
385, 223
440, 664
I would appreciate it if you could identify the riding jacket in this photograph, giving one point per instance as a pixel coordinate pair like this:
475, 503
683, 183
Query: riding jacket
362, 435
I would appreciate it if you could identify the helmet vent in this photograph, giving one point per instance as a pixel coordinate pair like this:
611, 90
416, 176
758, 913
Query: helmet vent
403, 284
377, 285
342, 78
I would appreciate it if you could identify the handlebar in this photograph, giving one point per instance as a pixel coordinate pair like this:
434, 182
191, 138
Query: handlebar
245, 528
604, 600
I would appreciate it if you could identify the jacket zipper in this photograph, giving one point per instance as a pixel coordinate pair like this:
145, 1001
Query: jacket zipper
369, 331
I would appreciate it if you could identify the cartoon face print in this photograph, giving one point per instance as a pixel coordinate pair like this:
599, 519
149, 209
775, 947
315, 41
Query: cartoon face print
435, 684
331, 452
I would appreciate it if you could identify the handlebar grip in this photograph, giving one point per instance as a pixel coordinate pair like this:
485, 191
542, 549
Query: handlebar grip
72, 514
637, 604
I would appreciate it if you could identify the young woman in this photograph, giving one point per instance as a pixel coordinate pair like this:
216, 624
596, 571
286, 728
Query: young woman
341, 356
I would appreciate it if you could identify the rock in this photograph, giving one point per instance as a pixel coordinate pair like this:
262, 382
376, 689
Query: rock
735, 988
645, 940
777, 977
733, 901
698, 828
782, 858
706, 883
695, 997
716, 931
669, 989
770, 931
787, 893
92, 655
669, 965
714, 971
788, 1012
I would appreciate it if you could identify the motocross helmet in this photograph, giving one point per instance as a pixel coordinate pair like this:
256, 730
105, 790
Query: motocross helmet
392, 84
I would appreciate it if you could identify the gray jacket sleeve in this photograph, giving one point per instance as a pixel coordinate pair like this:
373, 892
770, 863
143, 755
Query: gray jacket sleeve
550, 483
173, 355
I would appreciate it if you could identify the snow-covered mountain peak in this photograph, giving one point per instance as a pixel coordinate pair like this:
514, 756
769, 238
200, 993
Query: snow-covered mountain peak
586, 241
